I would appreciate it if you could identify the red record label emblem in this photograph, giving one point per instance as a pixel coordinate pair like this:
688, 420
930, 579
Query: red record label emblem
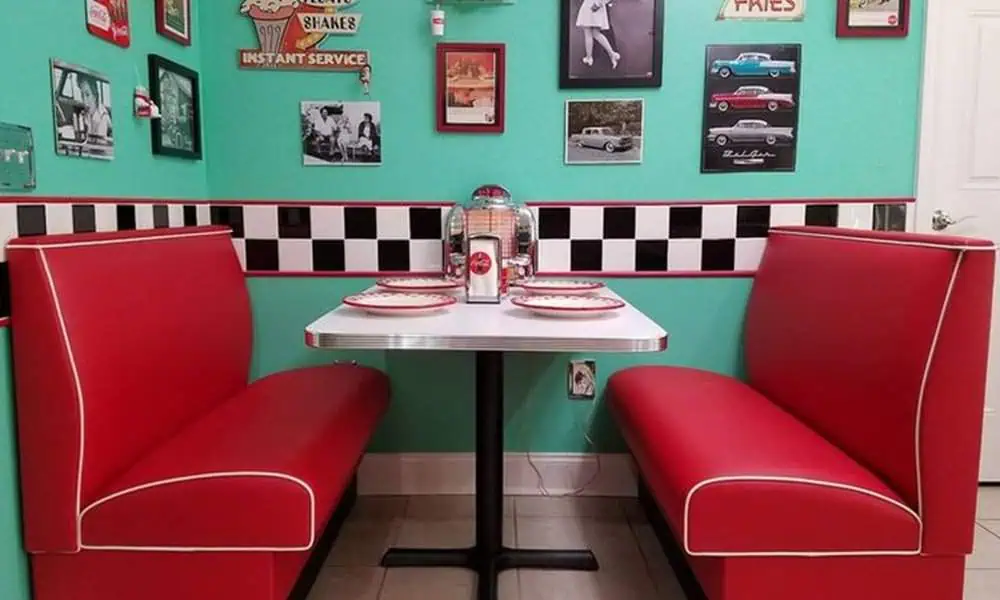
480, 263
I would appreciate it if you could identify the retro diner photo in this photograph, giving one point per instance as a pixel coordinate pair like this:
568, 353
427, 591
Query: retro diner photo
499, 300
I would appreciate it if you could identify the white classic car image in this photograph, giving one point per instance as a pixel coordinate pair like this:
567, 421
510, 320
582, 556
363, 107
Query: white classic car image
750, 131
603, 138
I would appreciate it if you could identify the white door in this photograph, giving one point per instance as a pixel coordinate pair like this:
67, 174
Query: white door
959, 166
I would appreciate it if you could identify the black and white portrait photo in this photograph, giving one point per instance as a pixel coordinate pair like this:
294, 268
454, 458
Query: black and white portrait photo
81, 107
341, 133
611, 43
604, 132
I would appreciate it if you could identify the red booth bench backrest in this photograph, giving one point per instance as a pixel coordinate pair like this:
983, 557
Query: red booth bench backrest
120, 339
880, 344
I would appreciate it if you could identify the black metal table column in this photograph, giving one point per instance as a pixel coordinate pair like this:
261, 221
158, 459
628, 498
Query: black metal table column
489, 556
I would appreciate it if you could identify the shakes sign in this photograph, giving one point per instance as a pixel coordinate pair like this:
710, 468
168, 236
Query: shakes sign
763, 10
289, 33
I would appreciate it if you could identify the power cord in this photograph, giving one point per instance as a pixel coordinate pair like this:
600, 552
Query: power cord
584, 427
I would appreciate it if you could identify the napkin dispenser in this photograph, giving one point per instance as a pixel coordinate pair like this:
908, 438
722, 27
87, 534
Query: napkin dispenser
491, 210
484, 277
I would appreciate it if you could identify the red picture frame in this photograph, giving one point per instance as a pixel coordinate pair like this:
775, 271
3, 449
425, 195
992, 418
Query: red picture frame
470, 88
172, 25
863, 18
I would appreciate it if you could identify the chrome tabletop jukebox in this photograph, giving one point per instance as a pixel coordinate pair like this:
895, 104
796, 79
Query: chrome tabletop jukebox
492, 211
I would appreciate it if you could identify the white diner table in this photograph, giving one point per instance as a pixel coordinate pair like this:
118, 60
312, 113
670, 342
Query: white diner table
489, 330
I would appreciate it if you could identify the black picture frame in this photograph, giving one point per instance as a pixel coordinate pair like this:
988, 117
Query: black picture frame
157, 66
648, 70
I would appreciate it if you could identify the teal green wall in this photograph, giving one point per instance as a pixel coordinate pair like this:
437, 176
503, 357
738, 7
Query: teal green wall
33, 32
13, 562
857, 135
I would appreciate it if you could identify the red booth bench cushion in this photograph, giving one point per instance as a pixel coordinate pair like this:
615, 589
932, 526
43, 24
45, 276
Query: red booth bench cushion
737, 475
260, 472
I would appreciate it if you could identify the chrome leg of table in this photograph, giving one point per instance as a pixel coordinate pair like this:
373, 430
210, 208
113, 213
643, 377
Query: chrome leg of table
489, 556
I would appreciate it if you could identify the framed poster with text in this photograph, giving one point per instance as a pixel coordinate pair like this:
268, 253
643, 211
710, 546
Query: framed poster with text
873, 18
108, 20
173, 20
470, 88
751, 107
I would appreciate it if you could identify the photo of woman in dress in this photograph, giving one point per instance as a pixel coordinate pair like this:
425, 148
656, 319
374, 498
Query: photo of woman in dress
593, 19
611, 43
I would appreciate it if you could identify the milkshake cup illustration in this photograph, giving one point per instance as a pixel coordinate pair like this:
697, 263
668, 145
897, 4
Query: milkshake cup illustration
270, 17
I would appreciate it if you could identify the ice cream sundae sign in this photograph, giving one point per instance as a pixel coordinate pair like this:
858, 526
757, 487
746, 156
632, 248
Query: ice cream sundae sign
290, 31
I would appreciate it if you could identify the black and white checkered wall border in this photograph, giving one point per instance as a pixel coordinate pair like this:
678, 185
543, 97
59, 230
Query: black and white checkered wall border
359, 239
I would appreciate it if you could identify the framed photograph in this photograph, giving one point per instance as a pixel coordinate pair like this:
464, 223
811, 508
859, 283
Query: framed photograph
604, 132
336, 133
174, 88
873, 18
470, 88
751, 108
611, 44
81, 109
173, 20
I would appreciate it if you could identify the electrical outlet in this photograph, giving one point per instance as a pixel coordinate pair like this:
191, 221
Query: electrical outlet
581, 379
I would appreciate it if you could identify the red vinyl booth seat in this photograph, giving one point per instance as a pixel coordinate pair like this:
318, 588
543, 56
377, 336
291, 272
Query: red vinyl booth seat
845, 465
150, 468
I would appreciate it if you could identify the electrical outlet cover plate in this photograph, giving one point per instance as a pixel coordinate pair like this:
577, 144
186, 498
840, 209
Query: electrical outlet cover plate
582, 379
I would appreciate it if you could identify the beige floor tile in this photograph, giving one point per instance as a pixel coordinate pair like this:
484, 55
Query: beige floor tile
633, 511
982, 585
989, 503
428, 584
568, 506
582, 585
379, 508
362, 543
449, 507
657, 564
440, 584
613, 543
993, 525
985, 551
441, 533
348, 583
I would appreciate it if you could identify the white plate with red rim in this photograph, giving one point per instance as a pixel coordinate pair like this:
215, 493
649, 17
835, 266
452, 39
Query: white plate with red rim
399, 305
419, 284
561, 287
568, 307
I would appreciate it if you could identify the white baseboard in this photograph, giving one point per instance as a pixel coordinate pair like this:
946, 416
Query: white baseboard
414, 474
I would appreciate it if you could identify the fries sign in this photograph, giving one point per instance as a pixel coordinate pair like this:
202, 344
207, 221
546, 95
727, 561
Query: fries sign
289, 33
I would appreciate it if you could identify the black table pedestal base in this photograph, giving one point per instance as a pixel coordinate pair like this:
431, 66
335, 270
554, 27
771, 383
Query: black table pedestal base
488, 566
489, 556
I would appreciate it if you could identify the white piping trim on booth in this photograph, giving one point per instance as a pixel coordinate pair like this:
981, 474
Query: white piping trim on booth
918, 421
802, 481
201, 477
78, 388
132, 240
850, 238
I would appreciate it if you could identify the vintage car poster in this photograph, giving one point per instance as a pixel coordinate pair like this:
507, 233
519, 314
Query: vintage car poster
108, 20
751, 108
289, 34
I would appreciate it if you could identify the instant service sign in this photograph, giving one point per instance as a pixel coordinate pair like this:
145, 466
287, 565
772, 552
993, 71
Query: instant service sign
763, 10
289, 33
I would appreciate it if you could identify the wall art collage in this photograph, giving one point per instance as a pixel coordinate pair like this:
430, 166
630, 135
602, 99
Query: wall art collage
84, 118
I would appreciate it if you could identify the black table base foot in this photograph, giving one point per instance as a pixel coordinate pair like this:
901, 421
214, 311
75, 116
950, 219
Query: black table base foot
488, 566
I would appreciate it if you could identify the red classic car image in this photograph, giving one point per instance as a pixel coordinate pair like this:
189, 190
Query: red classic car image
751, 97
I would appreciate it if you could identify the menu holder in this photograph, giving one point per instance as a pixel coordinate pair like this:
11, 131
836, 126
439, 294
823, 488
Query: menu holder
483, 273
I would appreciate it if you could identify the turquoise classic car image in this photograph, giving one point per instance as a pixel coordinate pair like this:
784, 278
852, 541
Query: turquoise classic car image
752, 64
